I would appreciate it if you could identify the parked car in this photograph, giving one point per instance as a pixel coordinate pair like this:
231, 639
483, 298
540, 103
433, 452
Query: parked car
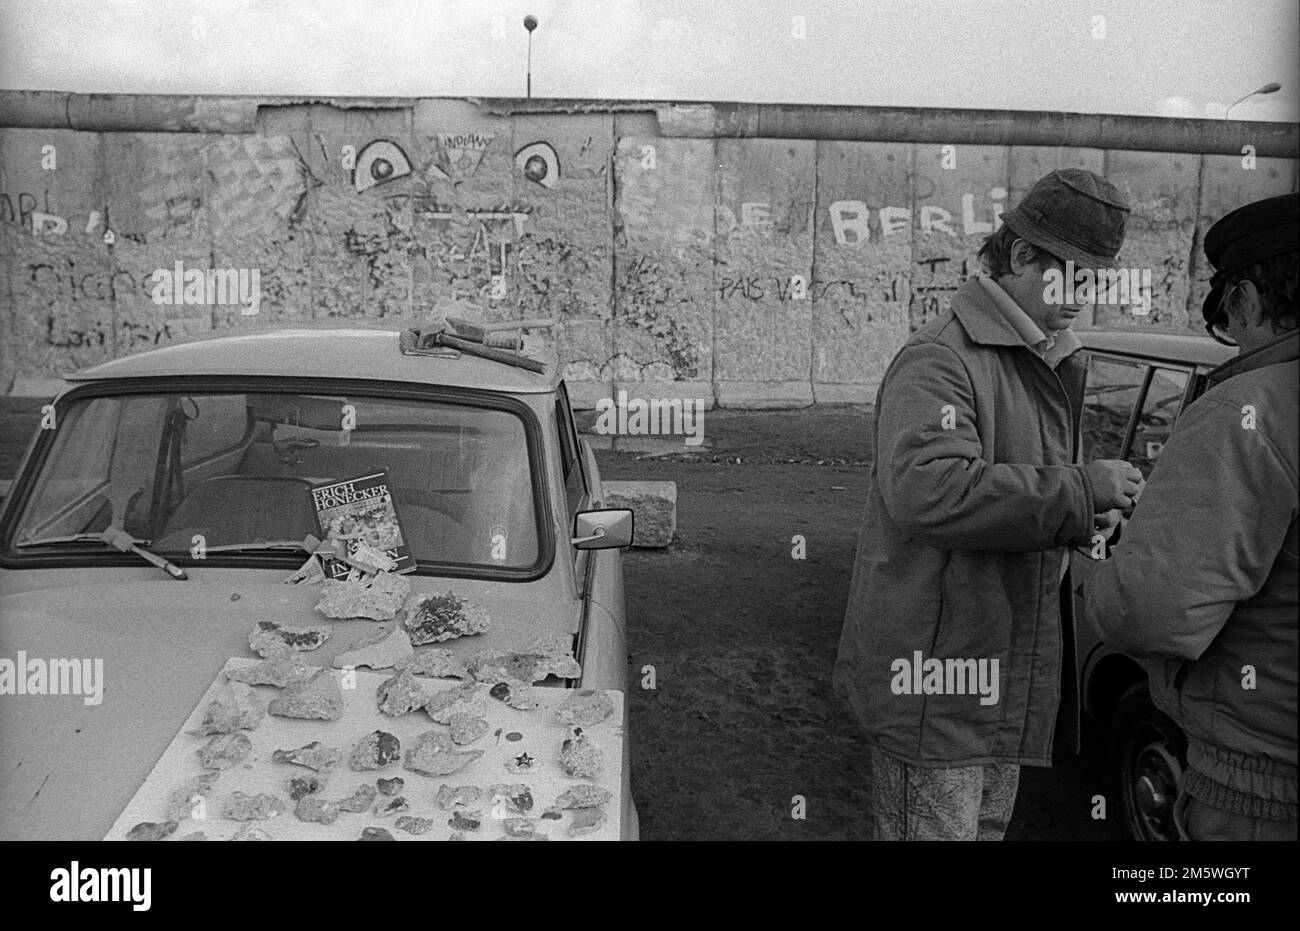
196, 460
1139, 380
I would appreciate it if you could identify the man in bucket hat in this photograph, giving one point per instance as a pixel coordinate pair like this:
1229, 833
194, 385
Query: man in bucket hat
1203, 585
952, 649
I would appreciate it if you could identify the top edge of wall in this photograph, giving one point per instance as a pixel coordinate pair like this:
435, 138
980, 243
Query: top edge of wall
239, 114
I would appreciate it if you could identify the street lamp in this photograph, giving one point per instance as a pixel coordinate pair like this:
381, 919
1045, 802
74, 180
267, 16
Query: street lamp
530, 23
1266, 89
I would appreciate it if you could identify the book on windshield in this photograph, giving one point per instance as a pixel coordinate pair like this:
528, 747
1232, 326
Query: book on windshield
359, 514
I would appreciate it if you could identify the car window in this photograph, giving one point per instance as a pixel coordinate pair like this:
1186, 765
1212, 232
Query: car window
74, 496
460, 474
1113, 389
1159, 411
218, 425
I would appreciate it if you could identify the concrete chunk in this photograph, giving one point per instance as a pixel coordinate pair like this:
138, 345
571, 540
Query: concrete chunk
654, 505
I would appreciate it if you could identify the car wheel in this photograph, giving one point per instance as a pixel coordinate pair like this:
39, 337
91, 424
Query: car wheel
1145, 762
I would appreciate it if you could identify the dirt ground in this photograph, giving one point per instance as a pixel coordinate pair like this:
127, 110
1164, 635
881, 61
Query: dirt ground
742, 638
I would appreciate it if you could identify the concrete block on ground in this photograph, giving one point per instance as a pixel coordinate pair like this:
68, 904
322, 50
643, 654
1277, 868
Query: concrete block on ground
654, 505
655, 445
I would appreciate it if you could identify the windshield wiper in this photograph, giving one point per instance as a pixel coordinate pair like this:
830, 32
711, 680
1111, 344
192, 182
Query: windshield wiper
118, 539
309, 544
331, 549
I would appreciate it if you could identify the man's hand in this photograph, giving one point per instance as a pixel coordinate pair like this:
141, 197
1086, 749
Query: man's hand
1142, 484
1106, 522
1115, 484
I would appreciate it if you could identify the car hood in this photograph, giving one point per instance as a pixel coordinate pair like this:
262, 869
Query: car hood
70, 767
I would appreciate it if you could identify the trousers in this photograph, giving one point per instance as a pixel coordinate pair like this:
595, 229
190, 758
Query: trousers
1196, 820
956, 803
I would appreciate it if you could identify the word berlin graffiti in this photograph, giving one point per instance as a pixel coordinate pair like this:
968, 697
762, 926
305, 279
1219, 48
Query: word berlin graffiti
850, 219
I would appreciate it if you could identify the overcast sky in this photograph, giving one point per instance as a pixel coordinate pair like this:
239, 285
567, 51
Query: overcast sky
1146, 57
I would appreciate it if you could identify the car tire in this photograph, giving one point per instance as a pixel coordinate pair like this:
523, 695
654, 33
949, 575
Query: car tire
1145, 762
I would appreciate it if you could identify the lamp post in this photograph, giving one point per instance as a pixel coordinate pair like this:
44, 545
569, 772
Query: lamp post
530, 23
1266, 89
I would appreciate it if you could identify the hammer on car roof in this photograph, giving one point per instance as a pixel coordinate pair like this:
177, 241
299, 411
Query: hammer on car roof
427, 342
498, 335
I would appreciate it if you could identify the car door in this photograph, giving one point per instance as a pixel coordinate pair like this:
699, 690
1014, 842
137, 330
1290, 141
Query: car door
601, 636
1129, 409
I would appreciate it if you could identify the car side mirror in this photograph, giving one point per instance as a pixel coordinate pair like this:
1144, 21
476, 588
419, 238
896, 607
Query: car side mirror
604, 529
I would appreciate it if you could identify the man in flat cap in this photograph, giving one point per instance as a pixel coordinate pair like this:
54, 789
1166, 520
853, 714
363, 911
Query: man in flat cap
952, 649
1203, 584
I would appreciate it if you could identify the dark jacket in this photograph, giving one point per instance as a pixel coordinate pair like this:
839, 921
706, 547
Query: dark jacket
1204, 583
969, 512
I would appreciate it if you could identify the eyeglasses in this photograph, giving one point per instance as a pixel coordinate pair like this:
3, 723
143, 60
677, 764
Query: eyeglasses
1218, 327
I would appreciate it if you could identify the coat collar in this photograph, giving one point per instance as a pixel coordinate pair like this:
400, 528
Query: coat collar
1283, 348
986, 324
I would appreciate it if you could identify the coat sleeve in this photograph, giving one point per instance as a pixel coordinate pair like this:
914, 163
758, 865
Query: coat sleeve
937, 484
1203, 538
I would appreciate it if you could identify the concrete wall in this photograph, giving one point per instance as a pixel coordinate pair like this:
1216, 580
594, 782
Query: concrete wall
747, 271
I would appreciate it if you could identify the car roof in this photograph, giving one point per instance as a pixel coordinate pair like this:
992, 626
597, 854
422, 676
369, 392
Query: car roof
325, 348
1158, 345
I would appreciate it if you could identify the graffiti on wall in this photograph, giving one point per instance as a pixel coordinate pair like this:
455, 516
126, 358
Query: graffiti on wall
885, 287
379, 162
399, 229
500, 258
73, 296
538, 163
478, 270
43, 223
38, 222
457, 156
851, 220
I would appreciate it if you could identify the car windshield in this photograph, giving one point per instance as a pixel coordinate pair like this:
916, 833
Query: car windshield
225, 470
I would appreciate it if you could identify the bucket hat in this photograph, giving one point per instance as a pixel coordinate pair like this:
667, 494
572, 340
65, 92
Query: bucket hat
1075, 215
